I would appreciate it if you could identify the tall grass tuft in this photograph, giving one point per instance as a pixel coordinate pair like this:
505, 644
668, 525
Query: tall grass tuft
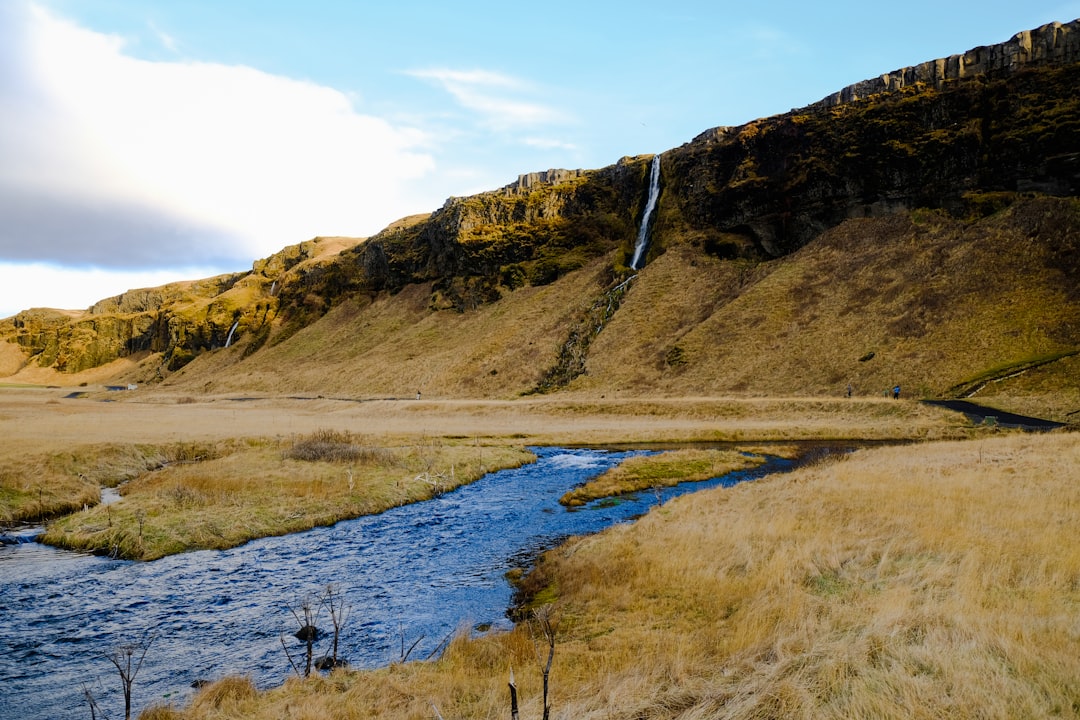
338, 446
226, 695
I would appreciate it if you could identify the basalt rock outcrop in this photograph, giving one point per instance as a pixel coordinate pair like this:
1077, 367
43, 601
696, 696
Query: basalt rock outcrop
967, 135
177, 321
1051, 44
968, 145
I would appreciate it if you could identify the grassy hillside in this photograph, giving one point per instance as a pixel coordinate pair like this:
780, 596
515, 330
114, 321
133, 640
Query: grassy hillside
917, 298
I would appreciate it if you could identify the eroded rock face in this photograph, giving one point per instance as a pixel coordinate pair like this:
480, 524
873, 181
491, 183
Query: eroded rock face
1054, 43
776, 183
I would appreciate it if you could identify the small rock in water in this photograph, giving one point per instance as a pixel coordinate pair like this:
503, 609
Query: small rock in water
308, 632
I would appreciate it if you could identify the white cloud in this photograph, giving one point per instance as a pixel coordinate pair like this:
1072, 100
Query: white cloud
115, 161
494, 96
33, 285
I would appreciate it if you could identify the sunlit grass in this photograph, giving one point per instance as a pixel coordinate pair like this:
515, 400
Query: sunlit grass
927, 581
256, 489
663, 470
41, 485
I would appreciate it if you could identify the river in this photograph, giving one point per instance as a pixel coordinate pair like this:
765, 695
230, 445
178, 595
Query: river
417, 572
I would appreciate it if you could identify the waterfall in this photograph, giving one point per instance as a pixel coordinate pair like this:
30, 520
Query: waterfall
650, 205
228, 340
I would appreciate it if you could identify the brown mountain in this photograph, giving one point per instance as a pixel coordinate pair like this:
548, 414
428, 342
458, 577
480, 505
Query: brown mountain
919, 228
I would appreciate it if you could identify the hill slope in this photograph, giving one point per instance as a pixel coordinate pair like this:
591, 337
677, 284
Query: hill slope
920, 229
920, 299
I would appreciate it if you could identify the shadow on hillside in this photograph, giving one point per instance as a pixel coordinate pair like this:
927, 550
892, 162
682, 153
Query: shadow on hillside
982, 414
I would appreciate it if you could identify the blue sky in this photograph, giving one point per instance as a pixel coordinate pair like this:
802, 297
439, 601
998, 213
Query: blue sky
144, 142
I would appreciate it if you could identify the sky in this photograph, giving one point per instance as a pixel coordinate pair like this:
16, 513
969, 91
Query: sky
144, 142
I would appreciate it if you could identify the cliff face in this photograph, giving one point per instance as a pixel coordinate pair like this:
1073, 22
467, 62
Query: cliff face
774, 184
1051, 44
177, 321
534, 230
967, 135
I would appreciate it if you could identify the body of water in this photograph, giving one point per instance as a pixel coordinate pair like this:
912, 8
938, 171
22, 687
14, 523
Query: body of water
418, 572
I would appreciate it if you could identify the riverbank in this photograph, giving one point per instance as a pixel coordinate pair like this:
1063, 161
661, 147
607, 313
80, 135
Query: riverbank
920, 581
229, 493
211, 472
208, 472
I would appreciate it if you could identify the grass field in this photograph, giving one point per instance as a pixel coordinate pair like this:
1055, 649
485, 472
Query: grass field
663, 470
937, 578
216, 471
923, 581
235, 492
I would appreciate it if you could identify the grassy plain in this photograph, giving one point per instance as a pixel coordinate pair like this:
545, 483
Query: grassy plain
666, 469
933, 579
922, 581
239, 491
213, 471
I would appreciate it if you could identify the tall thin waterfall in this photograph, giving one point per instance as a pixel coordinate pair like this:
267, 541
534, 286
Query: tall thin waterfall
228, 340
650, 205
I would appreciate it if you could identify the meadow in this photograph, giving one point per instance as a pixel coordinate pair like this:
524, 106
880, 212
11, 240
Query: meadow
215, 472
933, 578
919, 581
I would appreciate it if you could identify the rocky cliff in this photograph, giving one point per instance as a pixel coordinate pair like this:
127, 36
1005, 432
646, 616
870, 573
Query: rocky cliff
1051, 44
967, 135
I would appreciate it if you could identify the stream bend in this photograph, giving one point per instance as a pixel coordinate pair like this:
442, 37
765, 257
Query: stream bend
412, 572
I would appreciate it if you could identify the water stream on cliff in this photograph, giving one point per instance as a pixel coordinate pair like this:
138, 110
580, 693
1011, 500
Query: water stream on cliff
650, 205
412, 573
228, 340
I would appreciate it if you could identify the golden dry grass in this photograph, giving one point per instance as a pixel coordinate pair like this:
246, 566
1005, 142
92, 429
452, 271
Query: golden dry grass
32, 489
666, 469
928, 581
109, 437
60, 451
242, 491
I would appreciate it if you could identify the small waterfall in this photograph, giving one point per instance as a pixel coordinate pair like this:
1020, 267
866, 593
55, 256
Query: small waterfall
650, 205
228, 340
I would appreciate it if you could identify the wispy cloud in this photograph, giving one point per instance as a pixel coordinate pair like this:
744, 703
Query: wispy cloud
167, 41
770, 42
549, 144
502, 102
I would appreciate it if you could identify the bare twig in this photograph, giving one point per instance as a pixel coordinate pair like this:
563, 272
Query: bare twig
547, 622
306, 618
513, 696
339, 615
128, 660
405, 653
92, 701
288, 654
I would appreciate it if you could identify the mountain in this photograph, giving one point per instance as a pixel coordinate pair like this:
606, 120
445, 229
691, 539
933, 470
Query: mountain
919, 228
